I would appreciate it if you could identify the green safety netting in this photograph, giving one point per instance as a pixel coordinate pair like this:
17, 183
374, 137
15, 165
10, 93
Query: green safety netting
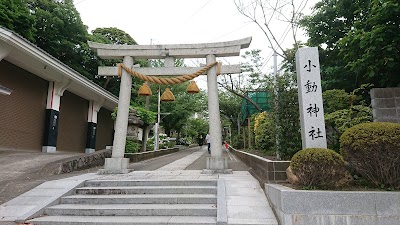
262, 98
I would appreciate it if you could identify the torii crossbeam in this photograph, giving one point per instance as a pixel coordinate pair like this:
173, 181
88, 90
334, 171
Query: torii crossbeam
215, 163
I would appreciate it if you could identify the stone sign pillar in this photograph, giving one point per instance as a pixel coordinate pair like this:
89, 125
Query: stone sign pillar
313, 134
117, 163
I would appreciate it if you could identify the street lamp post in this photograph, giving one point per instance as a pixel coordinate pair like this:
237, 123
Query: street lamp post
156, 129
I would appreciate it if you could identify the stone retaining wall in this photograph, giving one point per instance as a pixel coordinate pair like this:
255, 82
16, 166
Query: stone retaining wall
95, 159
137, 157
76, 163
265, 170
303, 207
386, 104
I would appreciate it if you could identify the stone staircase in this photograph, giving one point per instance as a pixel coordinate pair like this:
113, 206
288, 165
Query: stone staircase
116, 202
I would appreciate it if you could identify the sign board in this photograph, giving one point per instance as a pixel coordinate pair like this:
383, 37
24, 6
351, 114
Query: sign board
313, 134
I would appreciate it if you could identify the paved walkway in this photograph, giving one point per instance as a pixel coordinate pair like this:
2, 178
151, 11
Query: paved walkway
246, 201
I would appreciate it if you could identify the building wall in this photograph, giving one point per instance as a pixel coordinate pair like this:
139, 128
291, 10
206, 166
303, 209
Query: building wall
73, 123
386, 104
105, 127
22, 113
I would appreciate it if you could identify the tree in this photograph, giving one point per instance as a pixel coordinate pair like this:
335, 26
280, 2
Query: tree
371, 48
286, 116
112, 35
195, 127
264, 132
357, 40
180, 110
251, 78
14, 15
229, 107
266, 12
60, 32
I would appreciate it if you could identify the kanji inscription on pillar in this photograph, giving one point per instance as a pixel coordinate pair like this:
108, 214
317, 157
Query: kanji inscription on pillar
313, 134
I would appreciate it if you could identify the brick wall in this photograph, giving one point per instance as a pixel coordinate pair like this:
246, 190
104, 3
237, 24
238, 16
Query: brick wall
386, 104
105, 126
73, 123
22, 113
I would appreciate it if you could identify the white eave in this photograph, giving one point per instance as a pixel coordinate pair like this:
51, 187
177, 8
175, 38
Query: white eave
33, 59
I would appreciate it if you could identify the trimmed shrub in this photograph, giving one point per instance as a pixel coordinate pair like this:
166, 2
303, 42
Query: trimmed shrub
373, 151
264, 132
131, 146
319, 167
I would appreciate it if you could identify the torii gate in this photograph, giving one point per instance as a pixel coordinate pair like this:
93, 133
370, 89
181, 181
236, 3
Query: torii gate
216, 163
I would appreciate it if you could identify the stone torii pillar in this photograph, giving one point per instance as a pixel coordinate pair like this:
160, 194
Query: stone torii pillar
117, 163
210, 51
215, 162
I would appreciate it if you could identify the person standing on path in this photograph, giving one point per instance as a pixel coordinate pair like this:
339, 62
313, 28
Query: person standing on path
208, 139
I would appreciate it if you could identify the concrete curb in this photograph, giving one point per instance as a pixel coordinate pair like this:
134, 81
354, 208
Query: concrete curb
222, 215
303, 207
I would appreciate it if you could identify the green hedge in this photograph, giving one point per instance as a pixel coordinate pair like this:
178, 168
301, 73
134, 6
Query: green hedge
131, 146
319, 167
373, 151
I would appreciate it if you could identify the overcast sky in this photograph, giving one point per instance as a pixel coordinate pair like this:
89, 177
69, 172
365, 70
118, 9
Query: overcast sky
184, 21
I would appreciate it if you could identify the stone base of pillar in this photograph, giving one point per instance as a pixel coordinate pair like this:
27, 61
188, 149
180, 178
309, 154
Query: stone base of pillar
210, 172
115, 166
217, 165
49, 149
89, 150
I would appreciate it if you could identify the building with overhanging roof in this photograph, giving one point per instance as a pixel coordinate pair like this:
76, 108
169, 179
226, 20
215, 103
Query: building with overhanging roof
47, 106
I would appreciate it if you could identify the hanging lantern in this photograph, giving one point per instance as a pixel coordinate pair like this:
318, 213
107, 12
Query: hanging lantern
144, 90
167, 96
192, 88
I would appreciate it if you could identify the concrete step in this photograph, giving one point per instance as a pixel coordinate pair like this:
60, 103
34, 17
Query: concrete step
124, 220
141, 199
113, 183
132, 210
147, 190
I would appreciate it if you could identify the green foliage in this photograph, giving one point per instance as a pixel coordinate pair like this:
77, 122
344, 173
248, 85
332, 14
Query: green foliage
286, 116
229, 106
195, 127
61, 33
358, 42
371, 47
148, 117
131, 146
341, 113
264, 130
318, 167
289, 63
372, 149
335, 100
346, 118
252, 67
14, 15
112, 35
182, 108
237, 141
